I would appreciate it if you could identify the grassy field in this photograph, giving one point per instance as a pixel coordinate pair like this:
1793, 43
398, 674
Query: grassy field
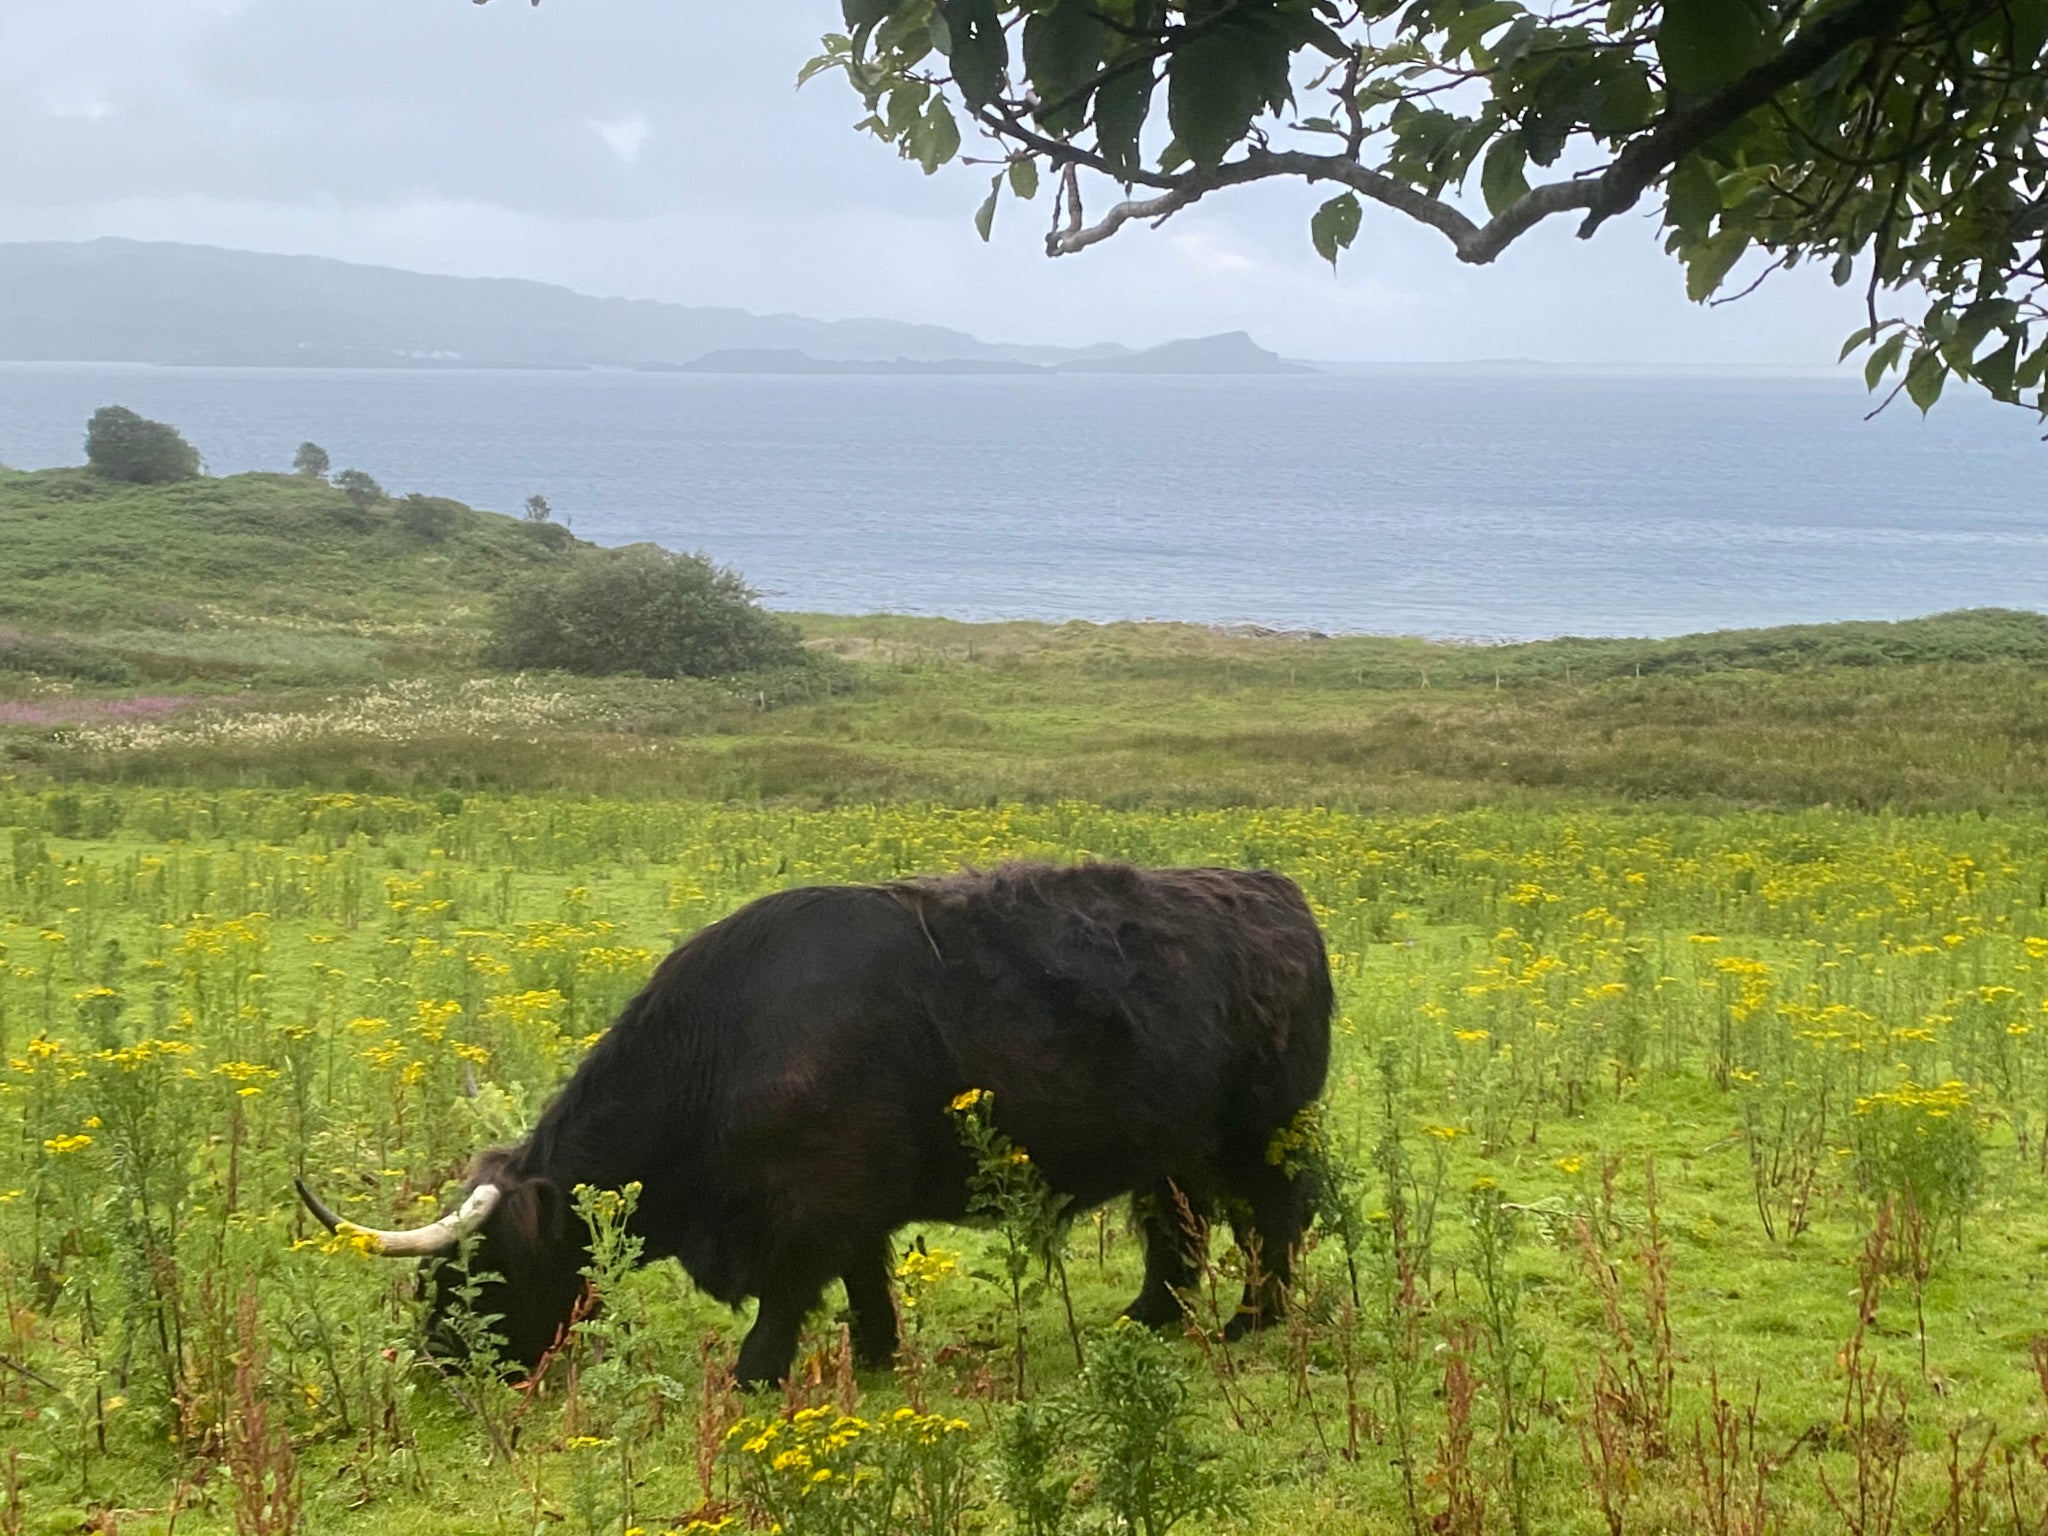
1686, 1148
257, 631
1782, 1021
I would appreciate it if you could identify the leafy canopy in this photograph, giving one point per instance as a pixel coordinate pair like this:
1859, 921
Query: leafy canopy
124, 446
638, 610
1900, 142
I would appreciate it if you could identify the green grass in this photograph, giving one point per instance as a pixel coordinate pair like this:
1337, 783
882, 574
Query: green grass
250, 561
1592, 903
1560, 999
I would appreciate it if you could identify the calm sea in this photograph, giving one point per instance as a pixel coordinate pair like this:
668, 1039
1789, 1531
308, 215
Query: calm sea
1481, 502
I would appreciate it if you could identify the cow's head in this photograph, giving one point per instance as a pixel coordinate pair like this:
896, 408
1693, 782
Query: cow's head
526, 1260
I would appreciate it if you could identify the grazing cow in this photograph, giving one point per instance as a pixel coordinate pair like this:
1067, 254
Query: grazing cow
780, 1091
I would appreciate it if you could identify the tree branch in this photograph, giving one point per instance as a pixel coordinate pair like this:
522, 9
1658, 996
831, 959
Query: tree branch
1683, 131
1614, 190
1475, 243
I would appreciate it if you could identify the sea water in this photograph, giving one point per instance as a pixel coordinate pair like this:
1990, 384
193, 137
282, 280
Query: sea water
1480, 501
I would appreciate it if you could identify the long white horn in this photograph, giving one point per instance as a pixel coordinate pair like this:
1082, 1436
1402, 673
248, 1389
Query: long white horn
442, 1236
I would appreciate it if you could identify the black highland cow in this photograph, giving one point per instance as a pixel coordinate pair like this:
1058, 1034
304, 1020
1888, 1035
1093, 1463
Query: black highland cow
780, 1090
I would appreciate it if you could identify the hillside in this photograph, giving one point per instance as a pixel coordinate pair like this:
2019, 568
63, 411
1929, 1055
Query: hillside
1233, 352
248, 573
130, 301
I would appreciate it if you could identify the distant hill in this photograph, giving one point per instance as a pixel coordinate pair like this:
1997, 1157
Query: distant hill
1232, 352
128, 301
789, 360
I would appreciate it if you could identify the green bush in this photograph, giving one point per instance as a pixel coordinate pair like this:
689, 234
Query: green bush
431, 517
359, 487
49, 656
124, 446
641, 610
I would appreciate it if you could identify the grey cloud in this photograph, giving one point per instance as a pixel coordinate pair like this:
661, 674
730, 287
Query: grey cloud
383, 99
443, 136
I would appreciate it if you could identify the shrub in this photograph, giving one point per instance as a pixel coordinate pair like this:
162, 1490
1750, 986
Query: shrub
49, 656
1920, 1147
550, 536
124, 446
431, 517
359, 488
1131, 1412
537, 508
311, 461
641, 610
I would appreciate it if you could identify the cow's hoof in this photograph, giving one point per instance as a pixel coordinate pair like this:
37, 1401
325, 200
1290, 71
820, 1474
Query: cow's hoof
1155, 1312
1241, 1325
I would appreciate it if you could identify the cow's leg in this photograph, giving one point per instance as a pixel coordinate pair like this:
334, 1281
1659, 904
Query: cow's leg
770, 1345
873, 1308
1269, 1230
1175, 1221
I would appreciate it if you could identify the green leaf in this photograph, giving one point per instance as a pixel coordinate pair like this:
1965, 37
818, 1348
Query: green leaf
817, 66
979, 54
1857, 338
1515, 42
1501, 179
1625, 101
1995, 370
1335, 226
985, 215
1708, 263
863, 13
2029, 31
1464, 33
1121, 105
1024, 178
936, 138
1704, 44
1924, 377
1692, 197
1214, 90
1062, 54
1979, 321
1880, 362
906, 106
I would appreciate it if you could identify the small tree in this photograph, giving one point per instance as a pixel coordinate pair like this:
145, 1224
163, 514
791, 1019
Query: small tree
311, 461
537, 508
359, 488
641, 610
124, 446
431, 517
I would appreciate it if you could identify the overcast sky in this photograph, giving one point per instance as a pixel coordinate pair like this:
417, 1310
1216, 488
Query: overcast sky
657, 148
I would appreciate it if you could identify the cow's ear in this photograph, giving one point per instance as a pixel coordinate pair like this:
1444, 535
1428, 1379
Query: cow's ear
551, 1210
538, 1211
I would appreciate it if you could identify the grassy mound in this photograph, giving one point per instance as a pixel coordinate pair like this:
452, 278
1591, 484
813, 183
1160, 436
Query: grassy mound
247, 574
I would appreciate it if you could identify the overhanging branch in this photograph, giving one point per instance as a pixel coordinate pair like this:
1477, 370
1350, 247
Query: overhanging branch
1475, 243
1614, 190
